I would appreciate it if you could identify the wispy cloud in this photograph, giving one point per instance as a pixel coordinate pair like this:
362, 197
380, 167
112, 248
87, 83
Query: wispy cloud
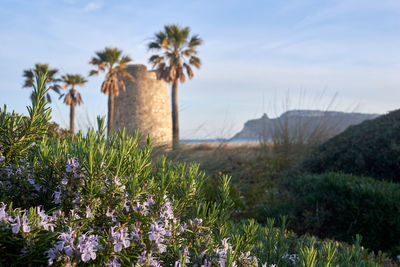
91, 6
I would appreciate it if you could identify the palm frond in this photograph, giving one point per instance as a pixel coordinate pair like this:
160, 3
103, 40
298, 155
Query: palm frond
195, 61
79, 99
189, 70
93, 72
111, 61
124, 60
177, 52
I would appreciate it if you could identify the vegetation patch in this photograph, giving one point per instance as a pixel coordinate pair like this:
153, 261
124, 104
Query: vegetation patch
92, 200
371, 148
340, 206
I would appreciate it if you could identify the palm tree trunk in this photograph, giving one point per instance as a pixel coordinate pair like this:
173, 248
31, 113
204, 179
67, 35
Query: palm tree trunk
110, 113
71, 117
175, 117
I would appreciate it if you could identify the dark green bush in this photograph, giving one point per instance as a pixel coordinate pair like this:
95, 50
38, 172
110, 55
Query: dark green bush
371, 148
340, 206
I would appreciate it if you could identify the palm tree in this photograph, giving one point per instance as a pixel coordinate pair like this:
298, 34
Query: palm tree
177, 53
40, 68
112, 61
72, 98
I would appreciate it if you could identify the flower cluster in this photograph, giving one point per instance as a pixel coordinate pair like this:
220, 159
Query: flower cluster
69, 246
222, 251
20, 220
45, 221
143, 207
120, 237
147, 259
72, 166
151, 235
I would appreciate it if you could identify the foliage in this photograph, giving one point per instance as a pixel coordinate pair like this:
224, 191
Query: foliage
89, 200
111, 61
73, 98
18, 133
55, 131
340, 206
370, 149
40, 68
179, 53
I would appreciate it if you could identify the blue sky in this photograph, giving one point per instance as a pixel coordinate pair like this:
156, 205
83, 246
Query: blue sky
256, 54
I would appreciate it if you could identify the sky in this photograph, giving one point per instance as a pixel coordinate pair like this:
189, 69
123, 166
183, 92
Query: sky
257, 57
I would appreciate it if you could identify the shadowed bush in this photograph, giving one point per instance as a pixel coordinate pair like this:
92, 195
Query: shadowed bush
371, 148
340, 206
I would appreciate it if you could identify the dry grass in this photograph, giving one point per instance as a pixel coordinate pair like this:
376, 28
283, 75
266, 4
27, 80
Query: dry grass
255, 168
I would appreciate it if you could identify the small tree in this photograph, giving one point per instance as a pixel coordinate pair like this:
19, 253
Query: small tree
72, 98
42, 69
112, 61
177, 52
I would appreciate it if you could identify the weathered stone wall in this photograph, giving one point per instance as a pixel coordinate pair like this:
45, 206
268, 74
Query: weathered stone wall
145, 106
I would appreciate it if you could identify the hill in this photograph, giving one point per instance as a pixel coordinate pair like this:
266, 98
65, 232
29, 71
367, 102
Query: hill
301, 124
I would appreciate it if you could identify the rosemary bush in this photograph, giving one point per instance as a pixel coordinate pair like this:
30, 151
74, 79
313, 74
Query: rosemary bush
92, 200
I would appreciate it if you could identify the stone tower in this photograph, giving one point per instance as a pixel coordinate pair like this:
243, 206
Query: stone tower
145, 106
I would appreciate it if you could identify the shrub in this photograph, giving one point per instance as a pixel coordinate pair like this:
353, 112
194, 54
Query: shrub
340, 206
88, 200
371, 148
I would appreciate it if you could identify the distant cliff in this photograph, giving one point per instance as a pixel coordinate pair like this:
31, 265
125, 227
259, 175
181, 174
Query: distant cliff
301, 125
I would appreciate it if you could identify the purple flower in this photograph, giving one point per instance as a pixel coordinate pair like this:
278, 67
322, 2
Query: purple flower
135, 233
88, 212
222, 251
25, 224
206, 263
72, 165
64, 181
157, 233
149, 259
9, 172
111, 214
45, 221
15, 226
182, 228
166, 210
185, 258
117, 181
77, 198
67, 242
51, 255
57, 195
145, 207
120, 237
3, 214
126, 205
74, 214
114, 262
87, 246
32, 182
